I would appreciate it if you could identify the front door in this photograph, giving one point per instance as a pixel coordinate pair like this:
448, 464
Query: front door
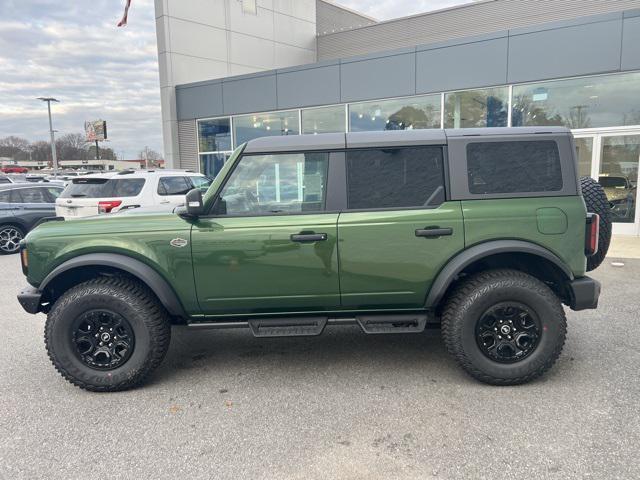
398, 230
269, 246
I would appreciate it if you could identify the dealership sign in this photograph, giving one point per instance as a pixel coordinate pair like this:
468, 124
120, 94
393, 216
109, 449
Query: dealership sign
96, 131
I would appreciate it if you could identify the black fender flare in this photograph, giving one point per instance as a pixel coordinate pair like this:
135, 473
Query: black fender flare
477, 252
144, 272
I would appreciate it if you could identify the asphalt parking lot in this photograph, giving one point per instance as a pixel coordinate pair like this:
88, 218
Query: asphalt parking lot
225, 405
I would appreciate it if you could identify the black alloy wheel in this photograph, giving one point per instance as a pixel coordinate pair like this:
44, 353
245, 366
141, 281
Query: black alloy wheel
103, 339
508, 332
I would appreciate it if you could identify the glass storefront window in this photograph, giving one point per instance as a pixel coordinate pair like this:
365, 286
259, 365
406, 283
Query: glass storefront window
323, 120
477, 108
584, 150
212, 163
214, 135
619, 175
248, 127
397, 114
590, 102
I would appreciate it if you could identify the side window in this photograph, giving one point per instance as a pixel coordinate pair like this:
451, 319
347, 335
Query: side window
282, 183
201, 182
127, 187
394, 177
514, 167
33, 195
173, 186
54, 192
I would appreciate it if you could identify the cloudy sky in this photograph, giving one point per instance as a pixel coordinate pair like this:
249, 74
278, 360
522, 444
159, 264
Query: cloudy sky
73, 51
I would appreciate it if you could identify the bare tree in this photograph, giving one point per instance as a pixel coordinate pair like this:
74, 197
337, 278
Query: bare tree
13, 146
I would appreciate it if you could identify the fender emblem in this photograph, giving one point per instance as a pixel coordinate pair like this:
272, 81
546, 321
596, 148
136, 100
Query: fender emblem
178, 242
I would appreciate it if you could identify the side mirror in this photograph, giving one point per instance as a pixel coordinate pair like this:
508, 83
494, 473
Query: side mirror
194, 205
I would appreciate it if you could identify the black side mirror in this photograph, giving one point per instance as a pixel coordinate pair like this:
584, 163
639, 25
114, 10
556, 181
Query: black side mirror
194, 206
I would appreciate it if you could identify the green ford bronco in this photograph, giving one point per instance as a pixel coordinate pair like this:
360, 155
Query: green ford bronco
483, 233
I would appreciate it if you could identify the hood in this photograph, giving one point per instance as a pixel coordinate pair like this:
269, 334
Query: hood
112, 224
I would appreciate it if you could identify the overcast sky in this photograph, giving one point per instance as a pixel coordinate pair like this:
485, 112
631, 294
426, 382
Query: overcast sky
73, 51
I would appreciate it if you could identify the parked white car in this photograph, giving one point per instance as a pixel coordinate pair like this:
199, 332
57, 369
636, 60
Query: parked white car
115, 191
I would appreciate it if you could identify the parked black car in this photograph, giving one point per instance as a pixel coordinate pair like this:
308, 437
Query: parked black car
22, 205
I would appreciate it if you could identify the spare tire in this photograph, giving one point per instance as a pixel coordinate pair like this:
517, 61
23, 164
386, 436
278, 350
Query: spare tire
596, 201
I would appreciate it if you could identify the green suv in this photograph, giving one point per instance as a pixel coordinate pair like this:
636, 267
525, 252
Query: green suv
482, 233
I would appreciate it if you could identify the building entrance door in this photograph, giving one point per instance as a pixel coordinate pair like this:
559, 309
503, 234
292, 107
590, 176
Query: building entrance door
613, 158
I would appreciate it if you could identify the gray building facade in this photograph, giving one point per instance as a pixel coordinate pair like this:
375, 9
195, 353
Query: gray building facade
491, 63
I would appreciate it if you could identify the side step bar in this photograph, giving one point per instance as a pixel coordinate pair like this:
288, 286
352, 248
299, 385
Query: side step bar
312, 326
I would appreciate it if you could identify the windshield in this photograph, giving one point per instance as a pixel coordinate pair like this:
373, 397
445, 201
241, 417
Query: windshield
612, 182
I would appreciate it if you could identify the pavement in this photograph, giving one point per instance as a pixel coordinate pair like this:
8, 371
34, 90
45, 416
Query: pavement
225, 405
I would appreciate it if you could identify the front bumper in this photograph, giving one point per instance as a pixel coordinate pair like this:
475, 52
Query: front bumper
30, 298
584, 293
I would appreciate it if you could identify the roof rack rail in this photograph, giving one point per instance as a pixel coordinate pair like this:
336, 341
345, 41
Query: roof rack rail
126, 172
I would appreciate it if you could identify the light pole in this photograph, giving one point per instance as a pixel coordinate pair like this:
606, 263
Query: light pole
53, 140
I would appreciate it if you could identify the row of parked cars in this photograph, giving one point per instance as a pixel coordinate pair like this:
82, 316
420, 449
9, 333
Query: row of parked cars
24, 203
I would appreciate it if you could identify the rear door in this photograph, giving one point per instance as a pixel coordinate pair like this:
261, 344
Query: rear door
32, 203
398, 230
172, 189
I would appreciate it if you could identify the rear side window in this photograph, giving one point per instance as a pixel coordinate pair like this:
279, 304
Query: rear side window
514, 167
394, 177
126, 187
103, 188
31, 195
174, 186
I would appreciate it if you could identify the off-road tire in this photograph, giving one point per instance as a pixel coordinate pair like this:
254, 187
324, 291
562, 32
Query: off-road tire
596, 202
473, 296
128, 298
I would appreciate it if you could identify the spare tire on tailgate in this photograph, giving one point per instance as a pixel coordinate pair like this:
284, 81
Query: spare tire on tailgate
596, 201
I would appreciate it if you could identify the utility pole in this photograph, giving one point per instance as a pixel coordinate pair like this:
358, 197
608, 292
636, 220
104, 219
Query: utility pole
53, 140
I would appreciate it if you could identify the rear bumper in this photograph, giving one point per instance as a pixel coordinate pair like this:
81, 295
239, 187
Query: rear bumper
584, 292
30, 298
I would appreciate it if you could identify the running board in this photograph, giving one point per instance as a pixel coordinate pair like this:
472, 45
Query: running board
392, 323
287, 327
312, 326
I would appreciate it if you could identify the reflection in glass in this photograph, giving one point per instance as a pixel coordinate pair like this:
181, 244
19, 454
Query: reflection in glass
214, 135
323, 120
619, 175
584, 151
248, 127
590, 102
477, 108
282, 183
398, 114
212, 163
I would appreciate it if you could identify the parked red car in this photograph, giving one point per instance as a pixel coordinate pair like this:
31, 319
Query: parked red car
14, 170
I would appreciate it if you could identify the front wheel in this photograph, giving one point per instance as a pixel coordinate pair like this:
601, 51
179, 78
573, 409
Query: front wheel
10, 237
504, 327
107, 334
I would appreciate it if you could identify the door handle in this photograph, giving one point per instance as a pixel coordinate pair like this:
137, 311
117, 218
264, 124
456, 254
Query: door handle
434, 232
308, 237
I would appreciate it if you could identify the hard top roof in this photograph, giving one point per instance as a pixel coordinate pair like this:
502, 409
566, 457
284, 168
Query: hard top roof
389, 138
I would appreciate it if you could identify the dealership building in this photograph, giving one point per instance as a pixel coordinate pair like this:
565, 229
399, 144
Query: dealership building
233, 70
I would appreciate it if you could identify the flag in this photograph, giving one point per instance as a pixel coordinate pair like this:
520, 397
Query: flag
123, 21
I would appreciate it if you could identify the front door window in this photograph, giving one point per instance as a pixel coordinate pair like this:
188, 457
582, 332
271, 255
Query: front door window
272, 184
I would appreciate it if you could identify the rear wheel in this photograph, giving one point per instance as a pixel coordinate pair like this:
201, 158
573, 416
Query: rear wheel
107, 334
596, 201
10, 237
504, 327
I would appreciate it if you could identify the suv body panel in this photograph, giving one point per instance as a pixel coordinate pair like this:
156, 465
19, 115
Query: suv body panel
383, 264
251, 265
